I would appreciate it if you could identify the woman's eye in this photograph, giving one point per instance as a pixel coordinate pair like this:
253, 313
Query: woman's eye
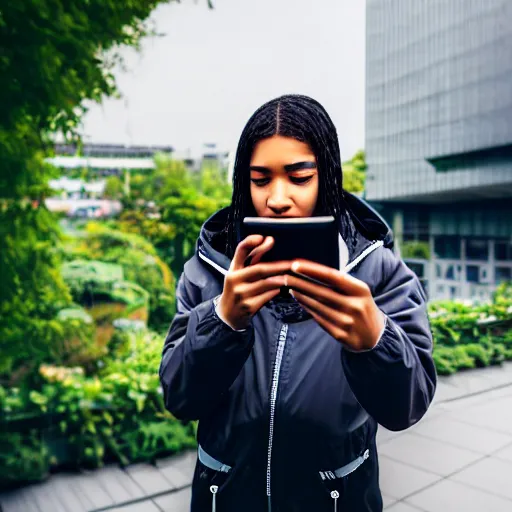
302, 180
260, 182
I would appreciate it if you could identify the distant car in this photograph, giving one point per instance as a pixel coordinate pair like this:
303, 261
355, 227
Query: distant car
87, 212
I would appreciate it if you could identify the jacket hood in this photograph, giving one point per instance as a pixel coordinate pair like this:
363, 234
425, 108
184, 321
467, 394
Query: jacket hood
370, 225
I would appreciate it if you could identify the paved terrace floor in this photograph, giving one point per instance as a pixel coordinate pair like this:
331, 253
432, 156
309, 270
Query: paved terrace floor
457, 458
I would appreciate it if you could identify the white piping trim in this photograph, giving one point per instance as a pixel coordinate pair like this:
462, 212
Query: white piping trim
363, 255
348, 268
223, 271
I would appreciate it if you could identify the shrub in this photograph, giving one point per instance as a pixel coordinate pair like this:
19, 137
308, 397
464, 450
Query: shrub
415, 249
468, 335
75, 420
139, 262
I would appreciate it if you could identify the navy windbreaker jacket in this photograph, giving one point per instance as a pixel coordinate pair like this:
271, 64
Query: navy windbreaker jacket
287, 416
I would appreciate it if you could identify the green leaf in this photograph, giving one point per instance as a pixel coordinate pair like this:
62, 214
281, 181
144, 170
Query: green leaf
38, 398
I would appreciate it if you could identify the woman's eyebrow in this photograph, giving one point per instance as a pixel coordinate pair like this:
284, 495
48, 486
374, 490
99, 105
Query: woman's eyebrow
288, 168
300, 165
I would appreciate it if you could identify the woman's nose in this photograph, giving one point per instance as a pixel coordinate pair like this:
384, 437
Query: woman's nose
278, 201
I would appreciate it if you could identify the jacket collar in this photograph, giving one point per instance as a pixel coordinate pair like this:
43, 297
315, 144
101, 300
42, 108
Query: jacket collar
373, 232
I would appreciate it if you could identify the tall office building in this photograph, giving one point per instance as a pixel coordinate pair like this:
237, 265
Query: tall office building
439, 137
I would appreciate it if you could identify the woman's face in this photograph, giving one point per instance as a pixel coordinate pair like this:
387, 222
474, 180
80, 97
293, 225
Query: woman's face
284, 178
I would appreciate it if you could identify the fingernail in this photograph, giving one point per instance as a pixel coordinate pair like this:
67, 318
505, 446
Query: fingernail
286, 280
295, 266
291, 292
247, 262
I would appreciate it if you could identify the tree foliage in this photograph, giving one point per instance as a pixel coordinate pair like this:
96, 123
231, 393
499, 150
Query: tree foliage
54, 55
354, 173
139, 262
184, 199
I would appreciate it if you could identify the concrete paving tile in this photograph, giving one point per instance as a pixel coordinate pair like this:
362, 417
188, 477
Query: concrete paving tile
446, 391
447, 496
143, 506
18, 501
478, 399
490, 474
399, 480
463, 435
118, 484
504, 453
495, 415
501, 374
183, 463
175, 476
468, 381
427, 454
403, 507
71, 494
46, 498
175, 502
387, 501
384, 435
149, 478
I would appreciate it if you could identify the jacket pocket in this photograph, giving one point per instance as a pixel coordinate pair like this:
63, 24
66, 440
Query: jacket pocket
207, 483
336, 480
214, 475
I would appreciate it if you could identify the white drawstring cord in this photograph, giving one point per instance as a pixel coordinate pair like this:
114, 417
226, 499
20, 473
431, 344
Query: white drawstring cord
214, 489
335, 495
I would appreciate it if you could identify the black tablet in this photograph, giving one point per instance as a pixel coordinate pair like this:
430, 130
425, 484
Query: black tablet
310, 238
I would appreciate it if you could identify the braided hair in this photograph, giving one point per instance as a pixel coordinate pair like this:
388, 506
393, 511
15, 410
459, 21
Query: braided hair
305, 120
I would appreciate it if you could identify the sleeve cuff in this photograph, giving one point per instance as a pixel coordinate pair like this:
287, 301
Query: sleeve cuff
378, 339
216, 310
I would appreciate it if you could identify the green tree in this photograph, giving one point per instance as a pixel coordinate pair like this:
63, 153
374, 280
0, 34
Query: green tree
113, 187
55, 56
186, 201
354, 173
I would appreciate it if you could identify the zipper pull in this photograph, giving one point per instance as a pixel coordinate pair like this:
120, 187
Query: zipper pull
335, 495
213, 490
366, 454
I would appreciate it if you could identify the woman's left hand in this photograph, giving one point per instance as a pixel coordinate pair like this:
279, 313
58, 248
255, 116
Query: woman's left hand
346, 310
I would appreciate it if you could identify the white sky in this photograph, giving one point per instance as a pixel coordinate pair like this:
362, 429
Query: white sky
202, 79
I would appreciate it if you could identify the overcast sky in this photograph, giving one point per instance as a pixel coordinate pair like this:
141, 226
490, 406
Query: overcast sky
202, 79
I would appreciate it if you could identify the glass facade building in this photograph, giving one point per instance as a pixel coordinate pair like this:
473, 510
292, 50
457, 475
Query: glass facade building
439, 137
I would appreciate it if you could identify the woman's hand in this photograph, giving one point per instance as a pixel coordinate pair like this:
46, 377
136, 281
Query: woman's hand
249, 285
346, 310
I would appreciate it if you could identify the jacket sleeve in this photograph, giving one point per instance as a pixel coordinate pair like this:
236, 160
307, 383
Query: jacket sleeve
202, 356
396, 380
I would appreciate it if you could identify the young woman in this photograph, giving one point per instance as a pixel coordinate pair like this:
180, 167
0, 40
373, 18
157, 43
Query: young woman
288, 391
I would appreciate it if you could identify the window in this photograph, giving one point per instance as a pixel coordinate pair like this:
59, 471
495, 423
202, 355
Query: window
447, 246
477, 249
417, 268
450, 272
502, 274
472, 273
503, 251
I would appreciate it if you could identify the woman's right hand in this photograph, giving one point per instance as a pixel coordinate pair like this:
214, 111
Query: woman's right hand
248, 286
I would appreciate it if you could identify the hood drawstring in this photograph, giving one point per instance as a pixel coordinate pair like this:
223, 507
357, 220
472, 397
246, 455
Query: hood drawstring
335, 495
214, 489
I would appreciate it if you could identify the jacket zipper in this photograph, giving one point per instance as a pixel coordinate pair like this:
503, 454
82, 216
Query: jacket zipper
277, 368
273, 398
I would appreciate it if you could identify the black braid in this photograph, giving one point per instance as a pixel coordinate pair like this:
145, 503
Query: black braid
305, 120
